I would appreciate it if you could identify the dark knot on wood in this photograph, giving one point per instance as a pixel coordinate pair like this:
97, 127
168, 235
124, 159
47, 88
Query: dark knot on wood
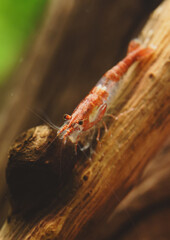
37, 168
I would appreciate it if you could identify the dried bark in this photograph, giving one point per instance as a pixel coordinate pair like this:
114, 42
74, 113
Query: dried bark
82, 207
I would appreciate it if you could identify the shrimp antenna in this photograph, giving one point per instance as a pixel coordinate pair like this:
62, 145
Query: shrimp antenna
45, 119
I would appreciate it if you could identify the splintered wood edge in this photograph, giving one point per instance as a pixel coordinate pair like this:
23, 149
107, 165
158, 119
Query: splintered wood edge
128, 145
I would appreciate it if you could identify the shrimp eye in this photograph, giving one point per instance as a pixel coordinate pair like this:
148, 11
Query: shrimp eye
67, 117
80, 122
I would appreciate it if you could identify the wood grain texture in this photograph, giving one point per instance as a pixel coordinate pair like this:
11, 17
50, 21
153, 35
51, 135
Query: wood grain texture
130, 143
144, 212
73, 46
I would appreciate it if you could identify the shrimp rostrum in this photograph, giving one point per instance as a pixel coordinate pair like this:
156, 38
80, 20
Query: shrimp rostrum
94, 106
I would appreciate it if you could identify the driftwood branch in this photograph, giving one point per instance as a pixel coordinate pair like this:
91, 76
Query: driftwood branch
76, 40
74, 45
77, 204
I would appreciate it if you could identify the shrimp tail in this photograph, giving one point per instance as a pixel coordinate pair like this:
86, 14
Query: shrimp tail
135, 45
143, 53
135, 52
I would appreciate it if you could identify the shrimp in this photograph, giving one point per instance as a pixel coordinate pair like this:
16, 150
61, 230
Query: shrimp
94, 106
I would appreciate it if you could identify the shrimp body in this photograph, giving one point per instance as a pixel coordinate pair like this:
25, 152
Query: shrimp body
90, 111
94, 106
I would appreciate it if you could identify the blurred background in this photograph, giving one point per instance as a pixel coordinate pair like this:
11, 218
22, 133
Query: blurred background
17, 25
52, 53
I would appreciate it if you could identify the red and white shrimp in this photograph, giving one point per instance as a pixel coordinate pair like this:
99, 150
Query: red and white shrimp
93, 107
